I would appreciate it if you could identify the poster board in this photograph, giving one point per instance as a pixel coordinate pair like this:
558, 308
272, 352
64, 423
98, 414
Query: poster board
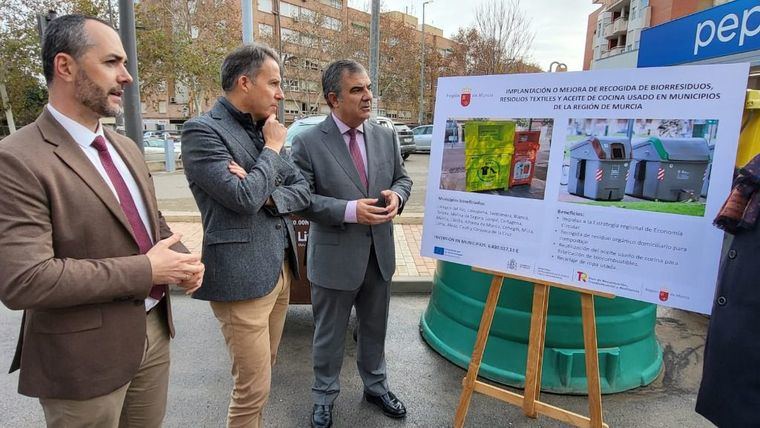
632, 166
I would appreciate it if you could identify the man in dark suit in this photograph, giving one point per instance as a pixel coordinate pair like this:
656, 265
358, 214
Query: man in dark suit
83, 248
358, 186
245, 186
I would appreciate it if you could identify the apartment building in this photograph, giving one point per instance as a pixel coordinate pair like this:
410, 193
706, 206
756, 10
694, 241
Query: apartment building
614, 30
311, 34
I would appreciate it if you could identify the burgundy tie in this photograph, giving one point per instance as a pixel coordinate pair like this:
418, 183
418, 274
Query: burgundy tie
356, 155
127, 205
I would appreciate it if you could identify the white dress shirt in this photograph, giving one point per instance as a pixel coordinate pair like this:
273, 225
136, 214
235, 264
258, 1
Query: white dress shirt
84, 138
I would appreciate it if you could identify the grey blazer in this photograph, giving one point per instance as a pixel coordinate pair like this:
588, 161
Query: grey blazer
337, 253
243, 245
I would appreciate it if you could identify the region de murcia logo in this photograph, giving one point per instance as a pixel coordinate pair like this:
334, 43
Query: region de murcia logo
465, 97
664, 294
582, 276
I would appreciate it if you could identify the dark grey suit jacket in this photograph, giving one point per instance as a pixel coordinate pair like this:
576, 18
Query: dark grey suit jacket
243, 245
337, 252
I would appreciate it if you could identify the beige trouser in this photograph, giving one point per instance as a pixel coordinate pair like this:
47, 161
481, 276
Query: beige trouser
139, 403
252, 330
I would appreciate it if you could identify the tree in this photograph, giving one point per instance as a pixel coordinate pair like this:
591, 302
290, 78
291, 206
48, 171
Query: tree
181, 44
20, 61
498, 43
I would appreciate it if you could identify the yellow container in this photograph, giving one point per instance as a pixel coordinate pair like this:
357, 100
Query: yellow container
489, 146
749, 138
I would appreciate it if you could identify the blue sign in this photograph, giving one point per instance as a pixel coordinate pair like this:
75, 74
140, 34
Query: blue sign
727, 29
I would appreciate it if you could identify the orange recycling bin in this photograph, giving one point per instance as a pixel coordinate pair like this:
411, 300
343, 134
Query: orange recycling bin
524, 159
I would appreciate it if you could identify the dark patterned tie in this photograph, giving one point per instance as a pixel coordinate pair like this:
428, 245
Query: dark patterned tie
127, 205
356, 155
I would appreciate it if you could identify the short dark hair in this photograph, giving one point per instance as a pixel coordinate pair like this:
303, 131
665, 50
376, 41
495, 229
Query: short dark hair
245, 61
65, 34
334, 72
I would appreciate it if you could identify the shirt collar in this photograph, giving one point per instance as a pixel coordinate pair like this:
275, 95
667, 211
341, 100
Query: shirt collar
343, 128
80, 133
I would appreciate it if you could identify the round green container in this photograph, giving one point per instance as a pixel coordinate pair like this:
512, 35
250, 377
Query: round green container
629, 355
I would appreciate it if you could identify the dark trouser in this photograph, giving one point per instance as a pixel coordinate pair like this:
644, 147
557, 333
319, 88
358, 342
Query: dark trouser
332, 309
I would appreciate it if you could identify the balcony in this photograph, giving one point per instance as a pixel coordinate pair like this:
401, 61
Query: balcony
618, 27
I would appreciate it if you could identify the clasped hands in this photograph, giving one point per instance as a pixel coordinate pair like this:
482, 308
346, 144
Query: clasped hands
171, 267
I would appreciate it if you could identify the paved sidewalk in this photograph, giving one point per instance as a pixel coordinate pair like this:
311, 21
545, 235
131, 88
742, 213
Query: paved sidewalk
409, 263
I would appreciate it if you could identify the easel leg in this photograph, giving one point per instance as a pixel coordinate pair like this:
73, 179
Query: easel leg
535, 349
477, 352
592, 361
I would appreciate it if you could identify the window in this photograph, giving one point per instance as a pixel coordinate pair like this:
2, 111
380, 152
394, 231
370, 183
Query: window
289, 10
292, 107
311, 64
265, 30
289, 35
331, 23
359, 27
333, 3
308, 15
265, 6
291, 85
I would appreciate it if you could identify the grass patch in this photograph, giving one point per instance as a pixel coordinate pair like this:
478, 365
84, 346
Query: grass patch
682, 208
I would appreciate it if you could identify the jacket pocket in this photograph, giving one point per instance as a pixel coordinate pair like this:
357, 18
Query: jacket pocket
68, 320
227, 236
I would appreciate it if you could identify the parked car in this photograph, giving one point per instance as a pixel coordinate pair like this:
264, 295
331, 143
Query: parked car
403, 134
302, 125
154, 149
423, 136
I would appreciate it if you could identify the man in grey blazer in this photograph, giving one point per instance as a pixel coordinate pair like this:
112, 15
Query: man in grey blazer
245, 186
358, 186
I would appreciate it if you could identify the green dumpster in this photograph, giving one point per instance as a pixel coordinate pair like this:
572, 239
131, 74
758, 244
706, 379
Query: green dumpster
629, 355
489, 146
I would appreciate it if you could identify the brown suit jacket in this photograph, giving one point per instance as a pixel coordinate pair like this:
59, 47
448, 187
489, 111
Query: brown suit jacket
69, 260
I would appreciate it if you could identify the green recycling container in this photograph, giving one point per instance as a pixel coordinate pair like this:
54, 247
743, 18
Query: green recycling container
489, 147
629, 355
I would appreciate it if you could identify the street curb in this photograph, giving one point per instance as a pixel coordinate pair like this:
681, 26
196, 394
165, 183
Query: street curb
411, 284
399, 285
195, 217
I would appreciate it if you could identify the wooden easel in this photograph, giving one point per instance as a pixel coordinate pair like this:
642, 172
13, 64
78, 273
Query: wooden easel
530, 401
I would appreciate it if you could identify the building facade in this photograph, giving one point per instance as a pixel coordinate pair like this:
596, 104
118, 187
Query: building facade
310, 34
614, 30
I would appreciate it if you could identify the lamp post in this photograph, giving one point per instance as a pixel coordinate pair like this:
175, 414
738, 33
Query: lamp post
421, 116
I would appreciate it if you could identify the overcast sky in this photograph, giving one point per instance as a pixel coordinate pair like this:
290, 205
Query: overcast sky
560, 25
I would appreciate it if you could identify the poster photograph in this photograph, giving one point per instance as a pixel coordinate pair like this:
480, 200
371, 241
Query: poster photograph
603, 180
657, 165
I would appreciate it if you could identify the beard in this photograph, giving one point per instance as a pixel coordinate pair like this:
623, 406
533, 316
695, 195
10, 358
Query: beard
94, 97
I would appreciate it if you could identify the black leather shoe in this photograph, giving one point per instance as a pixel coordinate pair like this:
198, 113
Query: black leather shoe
321, 416
388, 403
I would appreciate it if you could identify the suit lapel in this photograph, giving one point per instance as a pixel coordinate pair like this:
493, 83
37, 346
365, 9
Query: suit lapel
374, 155
335, 143
73, 156
234, 129
131, 159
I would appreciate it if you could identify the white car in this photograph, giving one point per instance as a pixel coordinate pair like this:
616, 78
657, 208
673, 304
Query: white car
423, 136
154, 149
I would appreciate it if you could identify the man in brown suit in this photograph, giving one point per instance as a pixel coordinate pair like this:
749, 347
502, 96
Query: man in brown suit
83, 248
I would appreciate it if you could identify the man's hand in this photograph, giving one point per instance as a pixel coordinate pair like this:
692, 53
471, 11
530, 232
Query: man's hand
237, 170
367, 213
392, 203
194, 283
274, 134
171, 267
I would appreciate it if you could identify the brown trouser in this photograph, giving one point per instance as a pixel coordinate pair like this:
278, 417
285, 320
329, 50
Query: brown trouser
252, 330
139, 403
